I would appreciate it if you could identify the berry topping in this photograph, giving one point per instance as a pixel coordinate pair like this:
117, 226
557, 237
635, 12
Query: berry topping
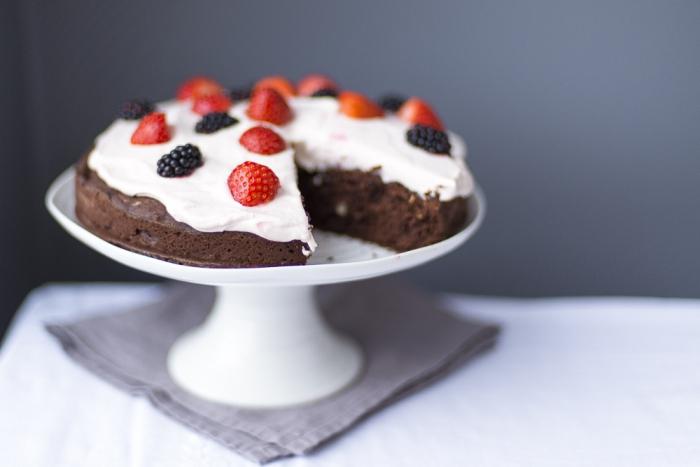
279, 83
356, 105
429, 138
268, 105
391, 102
312, 83
152, 129
262, 140
199, 86
325, 93
213, 103
214, 121
239, 93
180, 162
252, 184
417, 112
135, 109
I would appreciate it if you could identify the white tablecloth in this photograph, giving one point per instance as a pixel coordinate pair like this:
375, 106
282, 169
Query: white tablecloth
573, 382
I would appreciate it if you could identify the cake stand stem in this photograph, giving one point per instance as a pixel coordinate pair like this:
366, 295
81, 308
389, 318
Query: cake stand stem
264, 347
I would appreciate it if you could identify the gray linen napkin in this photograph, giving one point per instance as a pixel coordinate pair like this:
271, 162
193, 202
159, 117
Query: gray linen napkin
407, 341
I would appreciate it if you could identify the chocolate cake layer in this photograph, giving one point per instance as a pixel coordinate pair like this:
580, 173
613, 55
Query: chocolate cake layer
361, 205
143, 225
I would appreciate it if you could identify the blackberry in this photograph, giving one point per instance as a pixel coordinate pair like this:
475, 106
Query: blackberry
180, 161
325, 93
135, 109
391, 102
240, 93
428, 138
214, 121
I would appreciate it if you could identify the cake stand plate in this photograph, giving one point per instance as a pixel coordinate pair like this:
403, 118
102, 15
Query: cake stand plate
265, 342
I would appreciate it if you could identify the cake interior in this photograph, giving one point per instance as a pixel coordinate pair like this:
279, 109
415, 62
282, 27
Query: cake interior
361, 205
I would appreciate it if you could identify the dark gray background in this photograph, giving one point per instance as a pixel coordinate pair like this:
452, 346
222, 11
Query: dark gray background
583, 120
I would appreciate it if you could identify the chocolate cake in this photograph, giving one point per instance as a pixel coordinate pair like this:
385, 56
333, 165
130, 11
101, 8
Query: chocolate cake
143, 225
204, 181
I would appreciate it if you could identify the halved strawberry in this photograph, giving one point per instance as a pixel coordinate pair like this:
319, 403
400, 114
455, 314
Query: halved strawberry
312, 83
213, 103
268, 105
199, 86
252, 184
152, 129
417, 112
355, 105
279, 83
262, 140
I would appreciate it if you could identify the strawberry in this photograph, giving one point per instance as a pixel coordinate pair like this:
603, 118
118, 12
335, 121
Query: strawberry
198, 86
152, 129
252, 184
417, 112
355, 105
262, 140
212, 103
278, 83
268, 105
313, 83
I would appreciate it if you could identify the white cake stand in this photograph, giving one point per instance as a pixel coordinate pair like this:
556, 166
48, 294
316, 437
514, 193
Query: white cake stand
265, 343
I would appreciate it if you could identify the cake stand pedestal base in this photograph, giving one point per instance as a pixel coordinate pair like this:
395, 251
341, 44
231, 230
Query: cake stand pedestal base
265, 343
264, 347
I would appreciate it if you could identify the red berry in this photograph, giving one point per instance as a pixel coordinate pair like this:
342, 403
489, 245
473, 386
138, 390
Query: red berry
417, 112
268, 105
313, 83
152, 129
279, 83
355, 105
213, 103
262, 140
199, 86
252, 184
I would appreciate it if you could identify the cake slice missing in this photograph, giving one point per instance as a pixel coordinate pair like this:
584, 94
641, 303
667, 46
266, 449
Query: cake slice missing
222, 184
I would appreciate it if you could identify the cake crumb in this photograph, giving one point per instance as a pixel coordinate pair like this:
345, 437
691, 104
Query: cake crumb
341, 209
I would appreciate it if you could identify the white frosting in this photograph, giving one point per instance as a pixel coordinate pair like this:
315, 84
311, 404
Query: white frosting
323, 138
329, 139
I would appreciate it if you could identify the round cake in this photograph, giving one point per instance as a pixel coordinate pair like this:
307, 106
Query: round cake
237, 178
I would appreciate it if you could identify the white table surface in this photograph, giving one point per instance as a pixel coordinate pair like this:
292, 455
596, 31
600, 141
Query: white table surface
573, 382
